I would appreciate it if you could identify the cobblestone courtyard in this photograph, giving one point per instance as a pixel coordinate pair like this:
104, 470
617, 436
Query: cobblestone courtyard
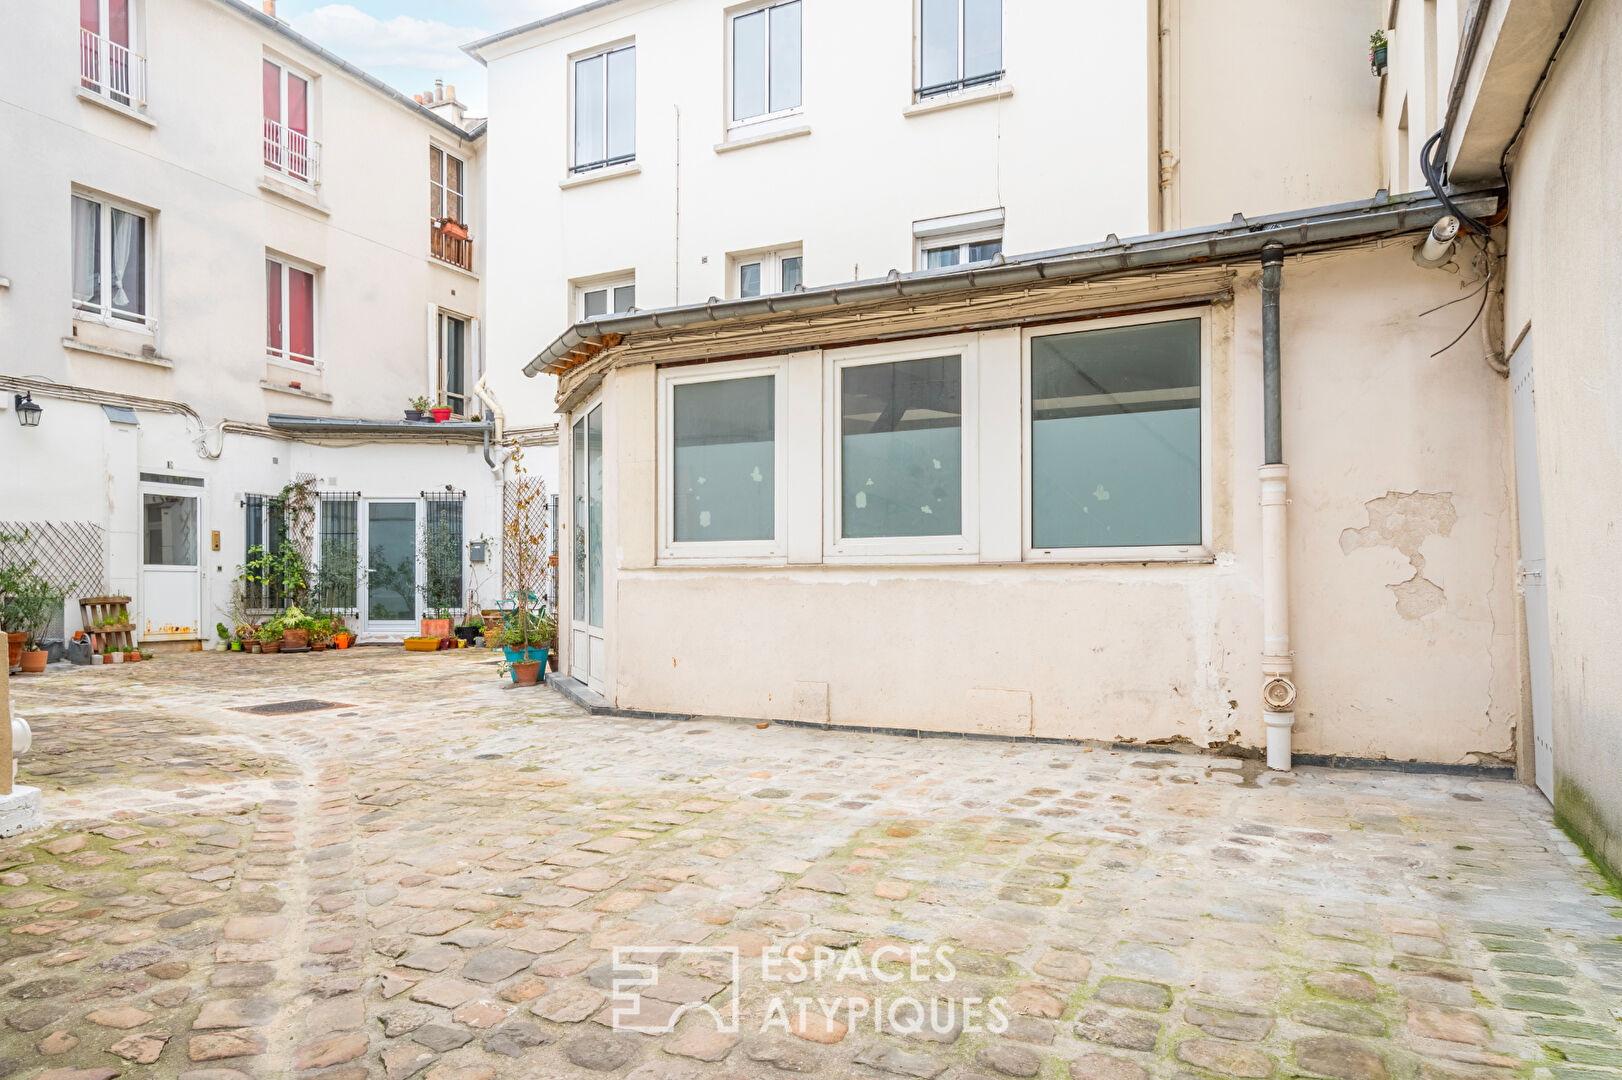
427, 880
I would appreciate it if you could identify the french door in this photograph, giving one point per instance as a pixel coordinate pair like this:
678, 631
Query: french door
389, 582
588, 659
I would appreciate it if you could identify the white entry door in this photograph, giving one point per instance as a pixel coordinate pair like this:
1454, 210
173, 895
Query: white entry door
171, 594
389, 577
588, 657
1533, 588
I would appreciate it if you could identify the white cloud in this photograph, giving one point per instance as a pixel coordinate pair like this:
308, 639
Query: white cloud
398, 42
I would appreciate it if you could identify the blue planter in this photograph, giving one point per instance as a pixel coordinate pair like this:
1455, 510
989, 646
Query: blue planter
516, 656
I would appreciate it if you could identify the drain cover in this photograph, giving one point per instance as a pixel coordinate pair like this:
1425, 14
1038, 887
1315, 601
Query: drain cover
276, 708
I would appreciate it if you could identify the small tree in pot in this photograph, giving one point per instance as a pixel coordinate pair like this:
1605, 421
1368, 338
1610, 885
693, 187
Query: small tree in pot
529, 629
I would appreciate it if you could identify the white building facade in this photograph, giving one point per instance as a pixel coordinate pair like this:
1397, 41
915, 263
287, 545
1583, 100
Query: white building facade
232, 262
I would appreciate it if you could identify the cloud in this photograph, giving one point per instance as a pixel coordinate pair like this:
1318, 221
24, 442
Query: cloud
398, 42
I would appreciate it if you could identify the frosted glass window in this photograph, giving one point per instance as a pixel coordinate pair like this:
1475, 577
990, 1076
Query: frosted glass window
1115, 437
724, 433
901, 448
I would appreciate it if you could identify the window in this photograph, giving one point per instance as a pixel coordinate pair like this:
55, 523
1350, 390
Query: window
289, 150
446, 198
606, 297
767, 272
290, 311
1116, 440
587, 554
959, 44
111, 260
958, 240
266, 531
170, 529
766, 62
452, 336
605, 109
107, 63
721, 488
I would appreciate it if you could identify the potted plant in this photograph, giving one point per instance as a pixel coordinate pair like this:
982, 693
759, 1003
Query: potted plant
224, 636
295, 629
96, 659
320, 633
270, 636
1377, 52
132, 656
246, 632
452, 228
441, 413
471, 628
115, 656
524, 672
422, 644
27, 604
439, 626
146, 654
416, 407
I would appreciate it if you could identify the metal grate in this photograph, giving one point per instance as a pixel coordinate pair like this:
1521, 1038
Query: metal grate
278, 708
339, 570
442, 551
267, 529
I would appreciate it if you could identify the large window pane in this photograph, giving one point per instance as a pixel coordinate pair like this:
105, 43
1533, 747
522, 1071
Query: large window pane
792, 272
724, 461
785, 72
938, 31
1115, 437
577, 486
171, 530
901, 448
749, 65
622, 104
273, 306
594, 513
936, 258
982, 38
749, 280
624, 298
588, 110
86, 252
128, 263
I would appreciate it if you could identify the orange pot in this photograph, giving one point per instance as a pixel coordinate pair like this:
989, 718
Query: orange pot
295, 639
527, 672
436, 628
33, 661
14, 649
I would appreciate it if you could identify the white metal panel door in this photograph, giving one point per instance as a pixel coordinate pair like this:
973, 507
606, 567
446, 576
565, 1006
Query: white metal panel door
1533, 589
171, 591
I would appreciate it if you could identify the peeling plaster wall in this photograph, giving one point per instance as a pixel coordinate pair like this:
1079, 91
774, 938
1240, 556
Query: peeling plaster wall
1564, 264
1132, 651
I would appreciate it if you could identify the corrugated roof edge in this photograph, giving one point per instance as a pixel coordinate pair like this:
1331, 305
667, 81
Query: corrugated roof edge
1382, 215
472, 48
339, 62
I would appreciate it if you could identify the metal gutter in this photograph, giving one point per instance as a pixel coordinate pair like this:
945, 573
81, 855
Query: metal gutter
472, 48
1238, 240
272, 23
339, 427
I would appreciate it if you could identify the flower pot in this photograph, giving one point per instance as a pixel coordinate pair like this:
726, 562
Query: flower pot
436, 628
270, 646
440, 415
527, 672
516, 657
132, 658
33, 661
114, 658
318, 646
422, 644
96, 659
467, 633
1377, 59
253, 646
413, 414
343, 641
295, 639
236, 646
14, 649
453, 229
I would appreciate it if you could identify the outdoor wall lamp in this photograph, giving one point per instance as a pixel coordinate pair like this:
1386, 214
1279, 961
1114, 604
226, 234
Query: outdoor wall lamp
27, 412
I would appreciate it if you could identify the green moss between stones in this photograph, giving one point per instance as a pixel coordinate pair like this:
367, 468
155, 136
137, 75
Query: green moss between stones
1573, 810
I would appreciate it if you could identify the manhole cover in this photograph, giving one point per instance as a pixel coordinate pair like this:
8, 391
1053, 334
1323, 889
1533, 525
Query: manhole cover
276, 708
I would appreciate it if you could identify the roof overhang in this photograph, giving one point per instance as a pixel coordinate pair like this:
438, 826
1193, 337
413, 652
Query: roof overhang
1238, 240
340, 427
476, 49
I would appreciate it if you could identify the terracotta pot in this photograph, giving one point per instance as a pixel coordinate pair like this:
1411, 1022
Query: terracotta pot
270, 646
33, 661
318, 646
436, 628
527, 672
132, 658
14, 649
295, 639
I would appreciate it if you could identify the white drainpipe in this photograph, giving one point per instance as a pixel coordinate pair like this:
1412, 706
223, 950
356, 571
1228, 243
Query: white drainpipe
1278, 666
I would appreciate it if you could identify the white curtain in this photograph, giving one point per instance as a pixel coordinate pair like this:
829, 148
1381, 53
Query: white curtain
125, 227
86, 245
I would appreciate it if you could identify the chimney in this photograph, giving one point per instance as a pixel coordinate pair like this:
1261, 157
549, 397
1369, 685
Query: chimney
441, 101
439, 89
268, 7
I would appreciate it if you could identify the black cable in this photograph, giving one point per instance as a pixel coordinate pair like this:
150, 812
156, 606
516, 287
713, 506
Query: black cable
1431, 167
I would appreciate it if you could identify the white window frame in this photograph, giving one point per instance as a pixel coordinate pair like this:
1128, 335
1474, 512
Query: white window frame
135, 97
979, 83
581, 169
609, 282
103, 313
285, 359
963, 547
470, 372
719, 552
312, 143
441, 182
1175, 553
732, 17
771, 269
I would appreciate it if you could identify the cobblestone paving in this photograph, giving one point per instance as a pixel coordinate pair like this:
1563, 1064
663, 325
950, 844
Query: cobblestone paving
427, 880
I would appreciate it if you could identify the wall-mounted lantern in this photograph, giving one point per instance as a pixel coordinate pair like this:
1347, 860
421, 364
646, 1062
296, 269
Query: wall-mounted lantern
28, 413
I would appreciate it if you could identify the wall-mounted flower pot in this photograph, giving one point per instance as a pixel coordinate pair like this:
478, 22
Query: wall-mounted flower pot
453, 229
1377, 59
441, 414
33, 661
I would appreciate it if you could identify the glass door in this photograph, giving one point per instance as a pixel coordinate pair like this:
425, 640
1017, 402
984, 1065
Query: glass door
389, 583
588, 660
170, 588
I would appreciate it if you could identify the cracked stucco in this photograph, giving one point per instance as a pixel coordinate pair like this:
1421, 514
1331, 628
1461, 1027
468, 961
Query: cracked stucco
1404, 521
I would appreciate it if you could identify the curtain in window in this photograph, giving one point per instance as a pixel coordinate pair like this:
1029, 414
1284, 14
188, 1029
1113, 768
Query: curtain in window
301, 314
126, 250
86, 252
273, 306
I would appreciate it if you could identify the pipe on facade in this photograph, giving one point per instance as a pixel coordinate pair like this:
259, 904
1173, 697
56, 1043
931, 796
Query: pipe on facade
498, 463
1278, 666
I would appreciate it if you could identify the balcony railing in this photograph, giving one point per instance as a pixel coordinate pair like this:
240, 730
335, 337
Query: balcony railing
108, 68
448, 247
292, 152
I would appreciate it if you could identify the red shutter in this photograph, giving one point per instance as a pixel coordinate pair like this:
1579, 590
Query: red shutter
273, 306
301, 314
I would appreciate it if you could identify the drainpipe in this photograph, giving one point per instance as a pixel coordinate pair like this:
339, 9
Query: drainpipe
1278, 691
498, 463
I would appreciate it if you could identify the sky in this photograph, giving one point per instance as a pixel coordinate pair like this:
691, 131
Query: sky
409, 43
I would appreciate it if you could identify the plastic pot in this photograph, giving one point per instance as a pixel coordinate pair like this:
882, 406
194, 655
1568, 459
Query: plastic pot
440, 415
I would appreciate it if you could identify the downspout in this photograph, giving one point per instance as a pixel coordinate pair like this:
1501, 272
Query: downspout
1278, 691
497, 464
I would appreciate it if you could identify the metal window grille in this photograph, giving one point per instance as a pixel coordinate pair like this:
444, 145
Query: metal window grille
266, 528
337, 576
442, 551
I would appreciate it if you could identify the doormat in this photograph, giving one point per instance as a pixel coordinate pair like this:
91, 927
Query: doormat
276, 708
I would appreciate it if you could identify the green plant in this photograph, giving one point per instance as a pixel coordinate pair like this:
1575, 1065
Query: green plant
271, 631
27, 602
146, 654
1377, 40
420, 403
526, 545
224, 634
282, 570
